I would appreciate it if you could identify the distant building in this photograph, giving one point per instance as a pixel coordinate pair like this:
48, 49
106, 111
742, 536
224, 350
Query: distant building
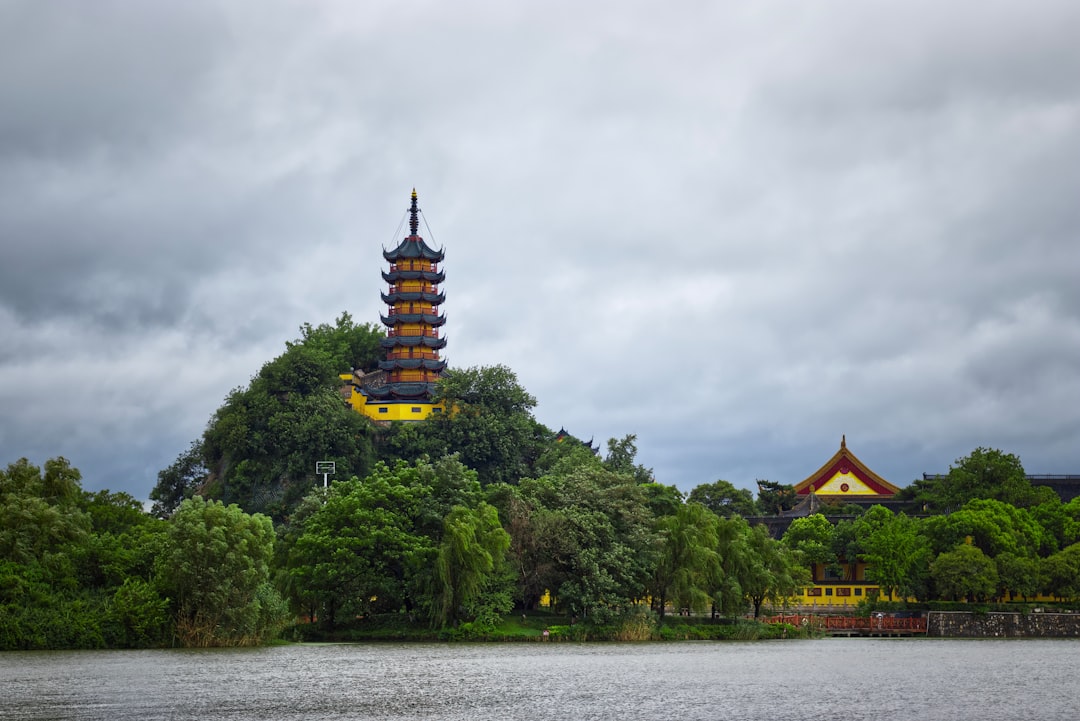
402, 388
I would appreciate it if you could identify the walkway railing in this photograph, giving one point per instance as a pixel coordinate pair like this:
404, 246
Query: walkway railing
869, 624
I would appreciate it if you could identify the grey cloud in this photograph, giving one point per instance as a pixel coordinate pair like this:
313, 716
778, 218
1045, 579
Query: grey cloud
735, 231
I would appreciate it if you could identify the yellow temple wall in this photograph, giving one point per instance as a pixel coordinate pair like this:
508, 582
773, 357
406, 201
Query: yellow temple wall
389, 411
399, 411
836, 594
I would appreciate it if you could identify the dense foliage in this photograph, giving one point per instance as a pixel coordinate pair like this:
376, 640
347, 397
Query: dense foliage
259, 449
92, 570
453, 522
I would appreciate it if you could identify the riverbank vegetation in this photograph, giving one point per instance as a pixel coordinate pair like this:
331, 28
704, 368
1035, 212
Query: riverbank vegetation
481, 524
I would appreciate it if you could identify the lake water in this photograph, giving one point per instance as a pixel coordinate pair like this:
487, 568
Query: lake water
856, 678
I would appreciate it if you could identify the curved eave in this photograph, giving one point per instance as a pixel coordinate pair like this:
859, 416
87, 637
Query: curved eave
394, 276
411, 248
401, 391
433, 320
433, 298
411, 364
412, 341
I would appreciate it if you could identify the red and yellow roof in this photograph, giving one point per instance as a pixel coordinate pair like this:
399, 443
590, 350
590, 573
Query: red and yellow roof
844, 475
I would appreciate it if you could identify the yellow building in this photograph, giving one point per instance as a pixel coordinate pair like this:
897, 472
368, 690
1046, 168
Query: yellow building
844, 479
402, 388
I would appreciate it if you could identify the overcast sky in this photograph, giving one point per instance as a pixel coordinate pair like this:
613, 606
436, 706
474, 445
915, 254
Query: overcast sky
738, 230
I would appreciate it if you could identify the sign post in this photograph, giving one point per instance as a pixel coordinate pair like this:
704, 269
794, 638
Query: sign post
324, 469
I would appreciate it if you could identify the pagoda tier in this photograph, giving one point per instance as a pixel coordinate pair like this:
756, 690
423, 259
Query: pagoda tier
394, 297
430, 276
415, 249
412, 364
397, 320
412, 341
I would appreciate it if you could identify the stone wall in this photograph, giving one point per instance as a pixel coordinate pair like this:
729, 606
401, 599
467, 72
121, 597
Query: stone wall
965, 624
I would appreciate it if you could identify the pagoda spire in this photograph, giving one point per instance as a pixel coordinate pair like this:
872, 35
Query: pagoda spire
414, 212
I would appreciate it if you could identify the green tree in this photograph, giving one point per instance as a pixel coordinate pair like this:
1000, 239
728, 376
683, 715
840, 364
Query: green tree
622, 459
811, 538
76, 568
359, 551
140, 612
985, 473
114, 513
534, 535
585, 533
772, 573
994, 526
775, 498
467, 565
217, 570
846, 546
42, 536
260, 448
40, 520
1018, 576
1060, 573
964, 573
736, 563
898, 556
724, 499
347, 344
489, 424
492, 388
661, 499
1061, 521
688, 563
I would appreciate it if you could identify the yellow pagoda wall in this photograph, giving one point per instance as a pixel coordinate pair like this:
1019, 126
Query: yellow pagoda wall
381, 411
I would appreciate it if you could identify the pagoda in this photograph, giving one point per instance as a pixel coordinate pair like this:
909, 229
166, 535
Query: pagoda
403, 387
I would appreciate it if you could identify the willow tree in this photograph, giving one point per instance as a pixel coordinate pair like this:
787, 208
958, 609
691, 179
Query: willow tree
688, 563
772, 573
467, 567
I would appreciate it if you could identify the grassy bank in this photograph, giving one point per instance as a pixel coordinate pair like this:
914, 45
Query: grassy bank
538, 626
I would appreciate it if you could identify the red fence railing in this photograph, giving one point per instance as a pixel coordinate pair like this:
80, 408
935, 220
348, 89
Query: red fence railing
853, 623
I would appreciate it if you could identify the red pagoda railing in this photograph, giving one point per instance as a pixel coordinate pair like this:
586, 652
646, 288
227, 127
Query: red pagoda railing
854, 623
422, 289
405, 355
415, 265
390, 333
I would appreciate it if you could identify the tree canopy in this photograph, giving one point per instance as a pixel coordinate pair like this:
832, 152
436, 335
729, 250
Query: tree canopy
984, 473
458, 518
260, 447
724, 499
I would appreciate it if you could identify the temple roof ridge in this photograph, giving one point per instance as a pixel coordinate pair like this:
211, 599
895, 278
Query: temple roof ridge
845, 461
